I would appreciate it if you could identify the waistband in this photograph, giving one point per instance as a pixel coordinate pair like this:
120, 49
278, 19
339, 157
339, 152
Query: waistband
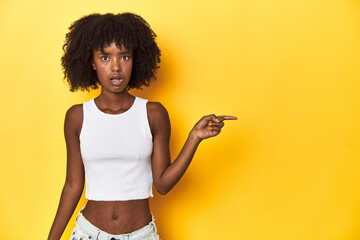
91, 229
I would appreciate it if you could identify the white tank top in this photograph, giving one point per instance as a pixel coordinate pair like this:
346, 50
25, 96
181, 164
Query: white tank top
116, 151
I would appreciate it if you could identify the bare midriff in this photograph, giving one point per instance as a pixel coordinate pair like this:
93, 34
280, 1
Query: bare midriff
118, 217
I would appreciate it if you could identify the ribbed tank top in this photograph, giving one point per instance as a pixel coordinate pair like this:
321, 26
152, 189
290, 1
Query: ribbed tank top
116, 151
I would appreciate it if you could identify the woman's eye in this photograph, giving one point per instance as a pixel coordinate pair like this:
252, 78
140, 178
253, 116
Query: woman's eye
105, 58
125, 58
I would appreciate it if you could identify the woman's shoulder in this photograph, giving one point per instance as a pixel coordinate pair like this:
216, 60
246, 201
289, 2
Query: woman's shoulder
158, 115
74, 116
156, 108
75, 111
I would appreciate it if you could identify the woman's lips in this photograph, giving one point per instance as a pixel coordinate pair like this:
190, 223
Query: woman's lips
116, 81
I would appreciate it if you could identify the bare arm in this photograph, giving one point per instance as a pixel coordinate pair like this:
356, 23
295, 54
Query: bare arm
74, 183
165, 173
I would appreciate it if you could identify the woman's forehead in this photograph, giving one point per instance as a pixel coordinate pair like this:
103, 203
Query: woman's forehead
113, 47
113, 44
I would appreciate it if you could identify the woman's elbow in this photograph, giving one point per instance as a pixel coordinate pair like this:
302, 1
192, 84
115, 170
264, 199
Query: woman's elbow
163, 190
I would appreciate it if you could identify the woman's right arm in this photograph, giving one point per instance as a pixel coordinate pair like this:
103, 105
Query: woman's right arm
74, 183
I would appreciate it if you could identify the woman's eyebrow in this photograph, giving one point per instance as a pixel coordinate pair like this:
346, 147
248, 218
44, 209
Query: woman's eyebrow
103, 52
125, 52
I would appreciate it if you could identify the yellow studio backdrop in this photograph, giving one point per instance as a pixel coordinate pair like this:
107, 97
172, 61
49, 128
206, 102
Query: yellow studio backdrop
288, 168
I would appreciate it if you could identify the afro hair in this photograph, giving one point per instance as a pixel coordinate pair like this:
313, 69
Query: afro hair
95, 31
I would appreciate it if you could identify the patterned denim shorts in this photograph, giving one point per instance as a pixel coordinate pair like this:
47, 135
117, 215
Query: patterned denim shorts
84, 230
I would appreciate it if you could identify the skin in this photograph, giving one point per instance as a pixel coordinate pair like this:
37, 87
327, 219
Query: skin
118, 217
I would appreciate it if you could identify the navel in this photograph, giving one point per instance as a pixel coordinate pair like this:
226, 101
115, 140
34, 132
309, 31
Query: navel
115, 217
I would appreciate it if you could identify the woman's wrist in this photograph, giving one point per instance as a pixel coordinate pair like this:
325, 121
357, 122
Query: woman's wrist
194, 138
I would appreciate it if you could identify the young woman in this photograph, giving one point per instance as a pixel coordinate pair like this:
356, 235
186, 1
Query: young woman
118, 142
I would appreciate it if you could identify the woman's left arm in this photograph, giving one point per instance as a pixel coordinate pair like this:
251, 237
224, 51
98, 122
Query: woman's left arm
165, 173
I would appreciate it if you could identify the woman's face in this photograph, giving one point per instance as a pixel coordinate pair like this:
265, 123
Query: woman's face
113, 66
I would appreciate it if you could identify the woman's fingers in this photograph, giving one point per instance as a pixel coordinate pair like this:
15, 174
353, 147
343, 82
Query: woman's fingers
215, 129
226, 117
215, 124
220, 118
210, 125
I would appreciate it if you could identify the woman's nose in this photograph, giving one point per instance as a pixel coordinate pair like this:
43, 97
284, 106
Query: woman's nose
116, 66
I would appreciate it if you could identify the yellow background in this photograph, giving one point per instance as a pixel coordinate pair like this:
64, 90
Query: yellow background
289, 168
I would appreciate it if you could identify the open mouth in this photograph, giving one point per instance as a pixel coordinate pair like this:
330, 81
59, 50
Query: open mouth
116, 81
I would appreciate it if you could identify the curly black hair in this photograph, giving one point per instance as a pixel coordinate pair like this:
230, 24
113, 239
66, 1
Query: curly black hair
95, 31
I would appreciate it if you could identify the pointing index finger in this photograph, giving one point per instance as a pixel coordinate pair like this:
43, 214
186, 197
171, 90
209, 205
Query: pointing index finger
226, 117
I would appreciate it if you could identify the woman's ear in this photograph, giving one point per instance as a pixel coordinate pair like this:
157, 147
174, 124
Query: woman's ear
93, 65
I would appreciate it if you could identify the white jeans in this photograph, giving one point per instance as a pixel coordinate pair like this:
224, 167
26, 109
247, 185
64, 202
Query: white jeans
84, 230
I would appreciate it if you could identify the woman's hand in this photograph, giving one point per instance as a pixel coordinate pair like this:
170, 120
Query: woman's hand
209, 126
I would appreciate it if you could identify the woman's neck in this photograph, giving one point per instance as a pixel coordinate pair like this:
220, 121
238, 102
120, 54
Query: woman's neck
114, 101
